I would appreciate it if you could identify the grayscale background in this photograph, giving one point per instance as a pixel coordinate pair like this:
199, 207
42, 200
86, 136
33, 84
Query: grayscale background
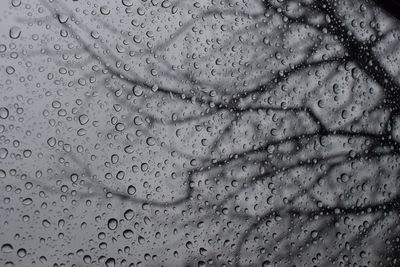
199, 133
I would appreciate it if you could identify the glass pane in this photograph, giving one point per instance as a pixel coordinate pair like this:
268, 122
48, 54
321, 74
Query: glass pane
199, 133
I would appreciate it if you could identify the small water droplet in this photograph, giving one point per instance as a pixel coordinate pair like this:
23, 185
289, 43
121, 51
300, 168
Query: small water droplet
62, 18
3, 48
10, 70
51, 141
4, 113
15, 32
131, 190
105, 10
3, 153
83, 119
150, 141
112, 224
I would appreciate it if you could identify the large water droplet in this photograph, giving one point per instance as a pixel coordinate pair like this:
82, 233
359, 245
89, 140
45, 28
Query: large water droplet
16, 3
110, 262
128, 214
27, 201
127, 3
128, 234
21, 252
7, 248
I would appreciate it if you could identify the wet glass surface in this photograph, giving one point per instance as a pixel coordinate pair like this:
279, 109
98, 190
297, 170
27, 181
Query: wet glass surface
199, 133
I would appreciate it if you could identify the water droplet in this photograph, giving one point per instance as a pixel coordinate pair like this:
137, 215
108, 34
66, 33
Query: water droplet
137, 120
141, 11
141, 239
110, 262
150, 141
62, 18
144, 167
119, 127
129, 149
7, 248
166, 4
10, 70
4, 113
314, 234
128, 234
127, 3
83, 119
131, 190
21, 252
128, 214
114, 158
16, 3
95, 34
51, 141
27, 201
137, 91
120, 175
87, 259
27, 153
112, 224
3, 153
56, 104
46, 223
105, 10
15, 32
